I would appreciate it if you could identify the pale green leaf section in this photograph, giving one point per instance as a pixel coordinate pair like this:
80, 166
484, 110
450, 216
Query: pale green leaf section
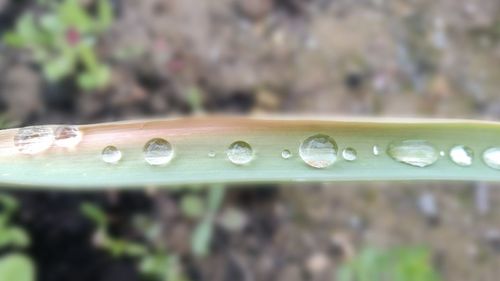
193, 139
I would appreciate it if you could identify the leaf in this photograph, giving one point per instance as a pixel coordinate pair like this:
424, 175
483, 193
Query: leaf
94, 213
201, 238
104, 15
60, 67
215, 197
192, 206
72, 14
12, 236
193, 138
94, 78
16, 267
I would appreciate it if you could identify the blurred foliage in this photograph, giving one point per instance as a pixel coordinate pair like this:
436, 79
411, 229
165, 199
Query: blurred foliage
13, 266
398, 264
16, 267
154, 262
62, 40
201, 237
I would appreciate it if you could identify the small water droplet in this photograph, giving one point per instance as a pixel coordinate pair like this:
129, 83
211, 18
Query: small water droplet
417, 153
349, 154
376, 150
492, 157
158, 152
67, 136
442, 153
240, 153
211, 154
33, 140
286, 154
111, 154
462, 155
319, 151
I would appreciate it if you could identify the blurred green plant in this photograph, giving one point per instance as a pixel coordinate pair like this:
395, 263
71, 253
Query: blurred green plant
398, 264
13, 265
62, 41
153, 260
205, 209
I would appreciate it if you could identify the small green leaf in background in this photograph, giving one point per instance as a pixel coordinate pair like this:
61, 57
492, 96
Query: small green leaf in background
95, 214
399, 264
16, 267
201, 238
192, 206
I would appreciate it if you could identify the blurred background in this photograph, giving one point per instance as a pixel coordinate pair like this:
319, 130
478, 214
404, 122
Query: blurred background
86, 61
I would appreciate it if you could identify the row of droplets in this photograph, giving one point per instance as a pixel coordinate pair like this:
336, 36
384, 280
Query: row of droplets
318, 151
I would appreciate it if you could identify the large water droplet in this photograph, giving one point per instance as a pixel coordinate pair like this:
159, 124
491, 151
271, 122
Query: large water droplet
33, 140
286, 154
462, 155
349, 154
319, 151
111, 154
158, 152
492, 157
240, 153
67, 136
417, 153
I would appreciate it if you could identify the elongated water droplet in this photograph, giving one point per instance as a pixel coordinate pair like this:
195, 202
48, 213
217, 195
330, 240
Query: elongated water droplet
211, 154
462, 155
492, 157
417, 153
319, 151
158, 152
111, 154
286, 154
376, 150
349, 154
240, 153
33, 140
67, 136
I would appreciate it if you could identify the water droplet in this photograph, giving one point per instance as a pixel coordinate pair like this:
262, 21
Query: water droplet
462, 155
158, 152
442, 153
111, 154
211, 154
33, 140
349, 154
67, 136
417, 153
376, 150
240, 153
319, 151
286, 154
492, 157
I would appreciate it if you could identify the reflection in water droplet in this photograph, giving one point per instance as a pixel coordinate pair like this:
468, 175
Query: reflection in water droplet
111, 155
240, 153
286, 154
442, 153
158, 152
211, 154
492, 157
349, 154
376, 150
417, 153
319, 151
67, 136
33, 140
462, 155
